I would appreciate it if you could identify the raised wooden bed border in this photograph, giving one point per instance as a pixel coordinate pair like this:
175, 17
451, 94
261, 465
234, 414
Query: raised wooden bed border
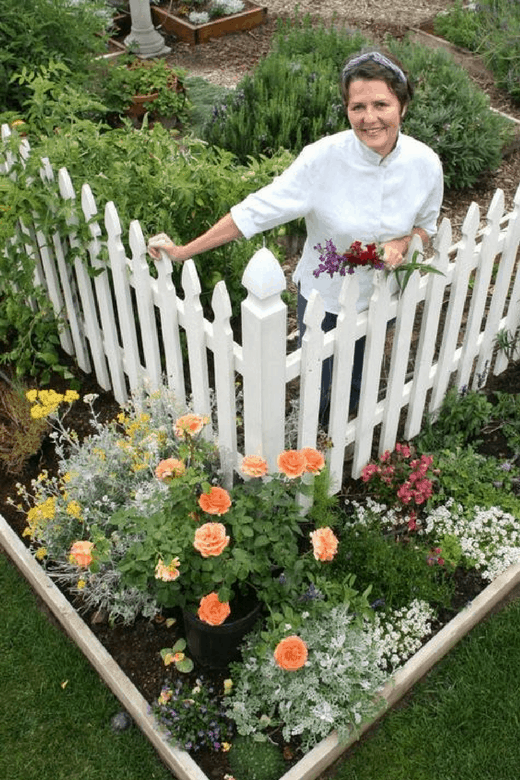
195, 34
328, 750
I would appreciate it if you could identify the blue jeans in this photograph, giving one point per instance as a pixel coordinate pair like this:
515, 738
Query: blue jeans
329, 323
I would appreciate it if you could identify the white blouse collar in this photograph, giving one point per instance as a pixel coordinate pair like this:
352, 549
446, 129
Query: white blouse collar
373, 158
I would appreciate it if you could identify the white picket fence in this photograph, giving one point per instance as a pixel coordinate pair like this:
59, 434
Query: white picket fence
126, 326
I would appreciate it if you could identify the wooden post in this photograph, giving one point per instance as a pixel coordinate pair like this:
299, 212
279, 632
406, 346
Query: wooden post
264, 327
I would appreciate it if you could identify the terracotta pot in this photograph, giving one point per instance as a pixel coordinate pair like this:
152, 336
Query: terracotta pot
140, 104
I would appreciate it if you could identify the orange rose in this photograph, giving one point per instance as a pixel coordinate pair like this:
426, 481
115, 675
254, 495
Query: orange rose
314, 460
167, 573
81, 553
210, 539
254, 466
213, 611
169, 468
291, 653
292, 463
324, 543
189, 425
216, 502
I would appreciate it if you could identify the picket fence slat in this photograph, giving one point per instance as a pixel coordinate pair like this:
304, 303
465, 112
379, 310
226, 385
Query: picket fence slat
436, 285
440, 330
104, 300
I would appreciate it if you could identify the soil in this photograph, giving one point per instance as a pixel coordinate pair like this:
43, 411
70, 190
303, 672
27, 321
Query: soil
224, 61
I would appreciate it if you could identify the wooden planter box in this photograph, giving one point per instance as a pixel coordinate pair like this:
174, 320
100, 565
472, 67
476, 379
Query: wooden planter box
180, 763
251, 17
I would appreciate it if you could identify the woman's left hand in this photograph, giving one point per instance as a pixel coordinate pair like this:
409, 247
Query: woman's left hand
394, 253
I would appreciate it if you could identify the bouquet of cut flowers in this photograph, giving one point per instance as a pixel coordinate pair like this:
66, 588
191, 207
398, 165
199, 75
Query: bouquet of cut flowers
332, 261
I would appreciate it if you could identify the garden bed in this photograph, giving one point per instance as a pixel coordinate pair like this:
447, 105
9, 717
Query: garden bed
173, 22
320, 757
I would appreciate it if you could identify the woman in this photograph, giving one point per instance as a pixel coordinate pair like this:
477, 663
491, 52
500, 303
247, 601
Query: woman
368, 184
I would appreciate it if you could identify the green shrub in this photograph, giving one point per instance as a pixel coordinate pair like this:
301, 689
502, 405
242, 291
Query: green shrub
460, 25
292, 98
33, 32
460, 420
452, 115
397, 571
256, 760
493, 30
473, 480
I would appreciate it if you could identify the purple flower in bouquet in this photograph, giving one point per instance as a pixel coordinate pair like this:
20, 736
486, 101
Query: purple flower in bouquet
332, 261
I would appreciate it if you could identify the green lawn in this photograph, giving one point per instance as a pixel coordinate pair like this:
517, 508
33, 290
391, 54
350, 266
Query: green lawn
55, 711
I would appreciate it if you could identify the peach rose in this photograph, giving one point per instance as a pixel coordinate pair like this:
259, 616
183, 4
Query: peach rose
189, 425
324, 543
216, 502
292, 463
213, 611
254, 466
210, 539
81, 553
314, 460
167, 573
291, 653
168, 469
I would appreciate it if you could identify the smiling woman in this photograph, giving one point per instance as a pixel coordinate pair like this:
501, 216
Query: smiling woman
371, 184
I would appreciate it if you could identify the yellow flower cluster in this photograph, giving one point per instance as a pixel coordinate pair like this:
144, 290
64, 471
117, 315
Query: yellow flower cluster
47, 401
38, 515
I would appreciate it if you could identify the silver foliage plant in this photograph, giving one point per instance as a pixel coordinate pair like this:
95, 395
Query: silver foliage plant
336, 689
111, 468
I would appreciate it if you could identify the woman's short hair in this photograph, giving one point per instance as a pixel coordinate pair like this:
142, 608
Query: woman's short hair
377, 64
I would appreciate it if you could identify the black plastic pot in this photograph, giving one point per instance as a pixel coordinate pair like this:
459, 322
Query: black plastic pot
216, 646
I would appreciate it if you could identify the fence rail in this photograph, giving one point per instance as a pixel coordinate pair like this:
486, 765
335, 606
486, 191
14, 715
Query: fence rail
126, 325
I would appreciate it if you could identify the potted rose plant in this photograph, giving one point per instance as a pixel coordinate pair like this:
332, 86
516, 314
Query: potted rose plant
219, 554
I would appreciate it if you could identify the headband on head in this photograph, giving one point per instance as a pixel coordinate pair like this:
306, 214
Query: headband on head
376, 57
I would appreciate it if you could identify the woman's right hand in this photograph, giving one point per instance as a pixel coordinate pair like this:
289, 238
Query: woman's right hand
162, 242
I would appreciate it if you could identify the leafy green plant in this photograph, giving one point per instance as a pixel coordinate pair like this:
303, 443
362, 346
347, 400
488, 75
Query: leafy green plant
460, 420
396, 571
256, 760
35, 32
508, 342
507, 413
175, 655
491, 28
460, 25
132, 76
475, 480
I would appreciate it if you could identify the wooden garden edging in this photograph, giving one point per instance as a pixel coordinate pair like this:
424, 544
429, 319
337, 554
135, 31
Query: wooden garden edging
179, 762
252, 16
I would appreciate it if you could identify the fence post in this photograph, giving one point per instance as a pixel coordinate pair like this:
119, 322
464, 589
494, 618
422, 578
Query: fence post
264, 328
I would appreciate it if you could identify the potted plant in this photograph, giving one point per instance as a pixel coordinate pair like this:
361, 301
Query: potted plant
134, 86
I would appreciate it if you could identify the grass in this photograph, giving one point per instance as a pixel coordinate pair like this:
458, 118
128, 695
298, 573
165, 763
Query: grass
460, 723
56, 712
462, 720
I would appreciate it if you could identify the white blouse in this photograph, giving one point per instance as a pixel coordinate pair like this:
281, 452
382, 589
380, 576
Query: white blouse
347, 193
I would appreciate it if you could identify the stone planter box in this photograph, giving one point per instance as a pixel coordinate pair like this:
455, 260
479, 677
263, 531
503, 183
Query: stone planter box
171, 24
179, 762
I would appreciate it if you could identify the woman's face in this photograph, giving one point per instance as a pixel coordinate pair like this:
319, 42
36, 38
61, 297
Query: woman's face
375, 114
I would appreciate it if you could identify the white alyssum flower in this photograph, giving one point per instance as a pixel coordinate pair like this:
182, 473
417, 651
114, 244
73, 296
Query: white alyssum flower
489, 538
